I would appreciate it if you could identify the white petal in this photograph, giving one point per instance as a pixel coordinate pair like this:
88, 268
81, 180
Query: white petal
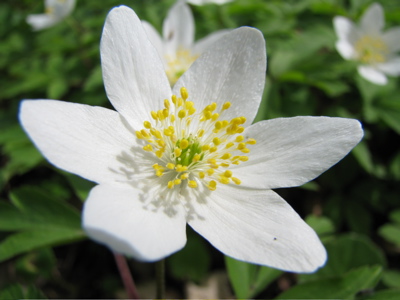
391, 67
118, 217
178, 28
133, 73
372, 74
258, 226
345, 49
392, 39
201, 45
346, 30
41, 21
60, 8
373, 21
92, 142
232, 69
292, 151
154, 38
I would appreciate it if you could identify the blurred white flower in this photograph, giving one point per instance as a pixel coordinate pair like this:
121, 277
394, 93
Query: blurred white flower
55, 12
177, 48
201, 2
189, 155
367, 43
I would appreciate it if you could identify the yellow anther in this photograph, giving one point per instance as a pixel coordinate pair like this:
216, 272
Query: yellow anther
177, 152
170, 184
207, 115
215, 117
148, 148
147, 124
236, 121
180, 168
167, 104
228, 173
223, 179
241, 146
202, 175
225, 165
184, 176
236, 180
159, 173
160, 143
240, 129
184, 93
154, 115
173, 99
216, 141
226, 156
245, 150
145, 133
165, 113
200, 133
239, 138
192, 184
196, 158
212, 161
157, 166
169, 131
159, 153
170, 166
228, 145
243, 158
225, 123
226, 105
191, 111
213, 149
210, 172
177, 181
242, 120
160, 115
179, 102
184, 144
139, 135
205, 147
189, 104
172, 118
218, 125
251, 141
182, 113
212, 185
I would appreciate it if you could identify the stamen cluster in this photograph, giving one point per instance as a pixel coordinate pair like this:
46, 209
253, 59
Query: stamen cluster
371, 50
195, 147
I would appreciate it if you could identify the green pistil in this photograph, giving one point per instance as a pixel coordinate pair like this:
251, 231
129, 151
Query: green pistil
187, 155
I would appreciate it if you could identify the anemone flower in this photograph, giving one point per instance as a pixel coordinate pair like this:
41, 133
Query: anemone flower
55, 12
376, 50
189, 155
177, 47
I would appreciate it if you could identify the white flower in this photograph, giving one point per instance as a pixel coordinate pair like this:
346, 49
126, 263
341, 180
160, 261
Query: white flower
167, 157
55, 12
177, 47
202, 2
368, 44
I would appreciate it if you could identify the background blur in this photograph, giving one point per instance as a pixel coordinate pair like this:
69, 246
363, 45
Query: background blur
354, 207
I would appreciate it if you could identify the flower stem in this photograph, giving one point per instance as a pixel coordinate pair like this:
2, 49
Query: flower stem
126, 276
160, 277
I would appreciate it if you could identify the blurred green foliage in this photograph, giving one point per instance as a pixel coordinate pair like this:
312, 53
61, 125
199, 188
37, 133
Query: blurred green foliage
354, 207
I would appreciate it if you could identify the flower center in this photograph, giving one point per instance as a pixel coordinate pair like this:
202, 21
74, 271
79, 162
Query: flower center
178, 64
195, 148
371, 50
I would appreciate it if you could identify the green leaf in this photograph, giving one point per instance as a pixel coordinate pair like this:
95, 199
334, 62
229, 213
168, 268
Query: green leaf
391, 278
390, 232
390, 294
322, 225
363, 156
345, 253
39, 221
182, 265
248, 279
28, 240
17, 291
340, 287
